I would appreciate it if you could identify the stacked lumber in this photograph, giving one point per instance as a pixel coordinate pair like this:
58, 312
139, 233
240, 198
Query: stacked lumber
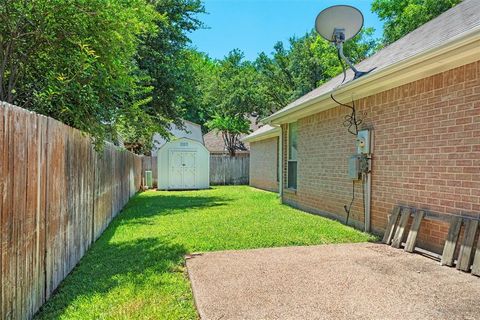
466, 259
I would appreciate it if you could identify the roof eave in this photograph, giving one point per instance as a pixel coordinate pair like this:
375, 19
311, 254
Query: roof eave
459, 51
275, 132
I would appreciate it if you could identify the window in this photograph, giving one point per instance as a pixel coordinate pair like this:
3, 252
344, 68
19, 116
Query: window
292, 156
278, 160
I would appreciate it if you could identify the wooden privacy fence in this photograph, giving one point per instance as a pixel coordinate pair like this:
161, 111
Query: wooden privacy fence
57, 196
227, 170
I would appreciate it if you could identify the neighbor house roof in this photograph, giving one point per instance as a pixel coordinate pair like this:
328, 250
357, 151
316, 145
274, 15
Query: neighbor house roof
214, 141
448, 41
264, 132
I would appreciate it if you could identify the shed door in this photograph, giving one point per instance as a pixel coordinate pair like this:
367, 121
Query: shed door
189, 169
182, 170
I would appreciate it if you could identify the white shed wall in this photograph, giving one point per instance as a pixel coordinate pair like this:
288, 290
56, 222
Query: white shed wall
183, 151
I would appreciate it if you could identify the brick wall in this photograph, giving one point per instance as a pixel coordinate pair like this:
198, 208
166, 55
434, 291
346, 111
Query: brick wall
322, 183
263, 164
426, 153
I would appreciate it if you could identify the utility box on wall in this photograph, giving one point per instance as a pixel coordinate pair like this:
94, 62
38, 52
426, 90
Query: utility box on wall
363, 142
359, 163
354, 167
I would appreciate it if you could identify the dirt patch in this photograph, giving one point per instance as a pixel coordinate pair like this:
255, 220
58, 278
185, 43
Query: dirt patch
349, 281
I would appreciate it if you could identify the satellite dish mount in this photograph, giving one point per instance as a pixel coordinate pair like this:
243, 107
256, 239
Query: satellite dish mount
338, 24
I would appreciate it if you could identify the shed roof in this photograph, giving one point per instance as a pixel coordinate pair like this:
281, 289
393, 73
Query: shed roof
174, 141
191, 130
452, 25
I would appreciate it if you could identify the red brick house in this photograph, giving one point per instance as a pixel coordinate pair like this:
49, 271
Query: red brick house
421, 106
264, 158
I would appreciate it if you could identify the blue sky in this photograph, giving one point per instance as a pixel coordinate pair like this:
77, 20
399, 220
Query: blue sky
255, 25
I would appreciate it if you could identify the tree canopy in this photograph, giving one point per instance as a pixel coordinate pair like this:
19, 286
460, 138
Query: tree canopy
403, 16
309, 61
234, 88
103, 66
230, 94
164, 61
73, 60
126, 69
231, 128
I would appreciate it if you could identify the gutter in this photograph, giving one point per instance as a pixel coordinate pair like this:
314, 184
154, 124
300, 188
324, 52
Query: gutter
271, 133
420, 62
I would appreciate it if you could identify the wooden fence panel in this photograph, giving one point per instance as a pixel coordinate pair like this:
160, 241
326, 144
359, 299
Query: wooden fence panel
137, 173
3, 236
113, 183
8, 251
35, 210
103, 190
21, 262
99, 209
2, 250
56, 215
19, 206
119, 181
226, 170
58, 196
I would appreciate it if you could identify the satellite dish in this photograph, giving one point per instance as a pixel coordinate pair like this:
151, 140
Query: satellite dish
338, 24
339, 20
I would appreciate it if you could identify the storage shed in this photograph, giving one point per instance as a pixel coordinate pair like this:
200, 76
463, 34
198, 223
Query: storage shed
183, 164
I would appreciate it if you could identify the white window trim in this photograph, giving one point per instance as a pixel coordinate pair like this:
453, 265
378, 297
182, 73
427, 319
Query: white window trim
288, 158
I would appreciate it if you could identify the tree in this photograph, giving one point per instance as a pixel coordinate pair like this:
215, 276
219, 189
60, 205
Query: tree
231, 127
310, 61
231, 97
196, 100
165, 62
106, 67
74, 60
403, 16
234, 89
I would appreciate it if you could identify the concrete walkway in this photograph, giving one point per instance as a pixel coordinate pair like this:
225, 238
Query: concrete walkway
348, 281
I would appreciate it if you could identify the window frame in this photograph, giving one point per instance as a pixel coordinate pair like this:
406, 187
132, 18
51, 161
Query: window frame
279, 161
290, 185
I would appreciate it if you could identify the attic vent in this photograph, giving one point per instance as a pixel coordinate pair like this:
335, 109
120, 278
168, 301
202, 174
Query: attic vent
183, 144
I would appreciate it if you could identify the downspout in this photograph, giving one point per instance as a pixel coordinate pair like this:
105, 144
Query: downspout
368, 185
280, 164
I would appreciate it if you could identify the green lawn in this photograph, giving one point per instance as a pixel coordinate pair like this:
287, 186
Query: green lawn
136, 269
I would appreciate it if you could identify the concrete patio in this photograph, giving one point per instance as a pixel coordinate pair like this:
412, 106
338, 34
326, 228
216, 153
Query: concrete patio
346, 281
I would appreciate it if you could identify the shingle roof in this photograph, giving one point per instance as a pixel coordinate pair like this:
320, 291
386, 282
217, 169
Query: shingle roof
214, 141
446, 27
264, 131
